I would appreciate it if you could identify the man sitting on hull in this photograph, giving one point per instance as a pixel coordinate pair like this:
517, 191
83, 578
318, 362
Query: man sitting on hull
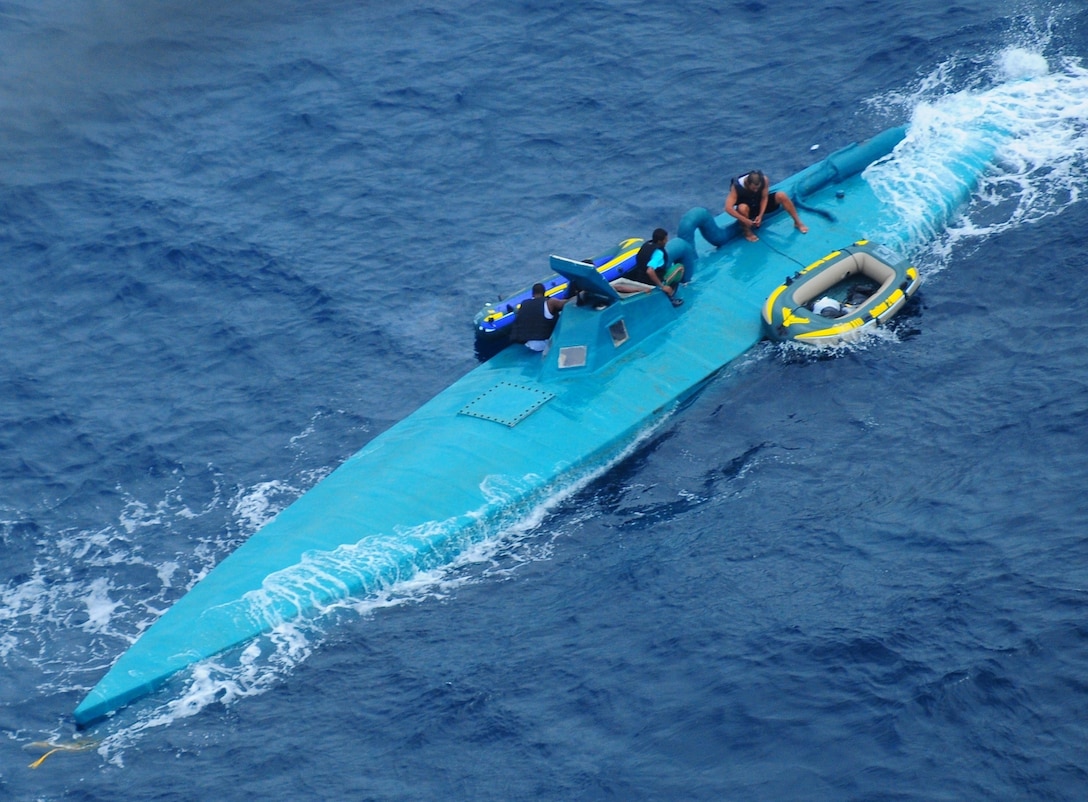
652, 270
535, 319
749, 200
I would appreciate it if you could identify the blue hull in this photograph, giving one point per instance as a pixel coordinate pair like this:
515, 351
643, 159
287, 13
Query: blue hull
498, 440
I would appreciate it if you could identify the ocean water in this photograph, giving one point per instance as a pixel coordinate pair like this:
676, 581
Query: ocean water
239, 242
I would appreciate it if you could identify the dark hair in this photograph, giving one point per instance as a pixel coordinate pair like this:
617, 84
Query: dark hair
538, 289
659, 234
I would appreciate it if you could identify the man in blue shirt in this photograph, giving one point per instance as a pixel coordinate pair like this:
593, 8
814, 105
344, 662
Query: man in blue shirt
652, 266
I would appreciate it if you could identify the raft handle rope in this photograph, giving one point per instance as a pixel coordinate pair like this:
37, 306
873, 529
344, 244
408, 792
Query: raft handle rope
789, 279
784, 255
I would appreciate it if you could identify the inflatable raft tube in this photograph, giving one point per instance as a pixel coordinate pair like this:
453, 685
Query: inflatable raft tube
840, 296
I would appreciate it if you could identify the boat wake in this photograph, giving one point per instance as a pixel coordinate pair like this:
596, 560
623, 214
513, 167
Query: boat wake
1029, 105
495, 548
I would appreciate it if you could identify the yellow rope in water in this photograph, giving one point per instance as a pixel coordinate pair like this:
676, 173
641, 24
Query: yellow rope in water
41, 760
82, 745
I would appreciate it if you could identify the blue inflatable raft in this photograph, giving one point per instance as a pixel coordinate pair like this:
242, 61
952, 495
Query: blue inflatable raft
492, 323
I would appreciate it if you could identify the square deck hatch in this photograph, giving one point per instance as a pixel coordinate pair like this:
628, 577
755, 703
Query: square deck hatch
507, 403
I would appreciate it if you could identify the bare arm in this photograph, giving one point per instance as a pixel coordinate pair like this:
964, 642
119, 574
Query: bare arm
731, 205
762, 204
657, 282
556, 304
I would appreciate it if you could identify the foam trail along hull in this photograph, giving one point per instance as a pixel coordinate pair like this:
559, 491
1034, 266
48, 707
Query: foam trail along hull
499, 439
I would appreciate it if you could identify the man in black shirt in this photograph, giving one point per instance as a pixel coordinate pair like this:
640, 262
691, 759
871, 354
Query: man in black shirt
749, 200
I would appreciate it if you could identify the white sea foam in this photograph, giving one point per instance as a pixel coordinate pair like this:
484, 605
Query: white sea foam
258, 505
100, 606
859, 342
1033, 113
1018, 63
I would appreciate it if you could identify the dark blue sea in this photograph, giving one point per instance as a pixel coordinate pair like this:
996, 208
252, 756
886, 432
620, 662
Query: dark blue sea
239, 240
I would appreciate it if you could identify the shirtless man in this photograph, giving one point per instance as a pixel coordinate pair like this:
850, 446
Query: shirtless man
749, 201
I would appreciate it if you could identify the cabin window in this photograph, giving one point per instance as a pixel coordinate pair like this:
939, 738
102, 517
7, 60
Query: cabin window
572, 356
618, 330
